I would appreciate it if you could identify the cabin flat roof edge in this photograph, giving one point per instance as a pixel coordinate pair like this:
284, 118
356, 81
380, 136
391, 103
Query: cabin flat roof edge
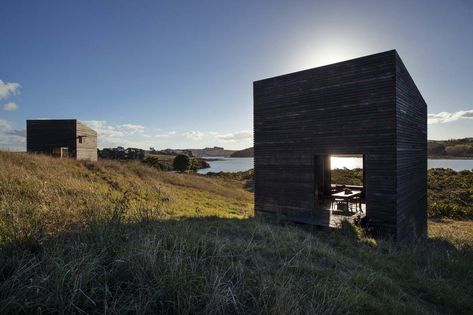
53, 119
387, 52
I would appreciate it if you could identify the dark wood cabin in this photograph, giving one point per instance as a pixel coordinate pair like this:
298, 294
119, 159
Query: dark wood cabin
367, 106
61, 138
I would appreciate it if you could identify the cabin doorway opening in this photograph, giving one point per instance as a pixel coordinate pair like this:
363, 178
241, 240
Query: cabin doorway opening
339, 188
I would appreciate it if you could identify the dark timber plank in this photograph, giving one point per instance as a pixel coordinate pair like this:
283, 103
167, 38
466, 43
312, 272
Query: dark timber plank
368, 106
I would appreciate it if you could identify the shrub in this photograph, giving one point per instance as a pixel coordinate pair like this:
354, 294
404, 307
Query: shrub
181, 163
196, 164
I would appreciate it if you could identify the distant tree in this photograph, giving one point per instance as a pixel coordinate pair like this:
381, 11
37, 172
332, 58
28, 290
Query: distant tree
120, 153
181, 163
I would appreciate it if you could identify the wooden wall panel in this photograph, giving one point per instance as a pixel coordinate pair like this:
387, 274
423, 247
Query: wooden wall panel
411, 112
42, 136
87, 149
344, 108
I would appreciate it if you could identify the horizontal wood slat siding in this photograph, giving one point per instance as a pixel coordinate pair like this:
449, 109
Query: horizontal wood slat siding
348, 107
87, 150
411, 114
44, 135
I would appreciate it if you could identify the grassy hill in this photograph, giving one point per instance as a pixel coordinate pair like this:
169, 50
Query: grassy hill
249, 152
454, 148
115, 237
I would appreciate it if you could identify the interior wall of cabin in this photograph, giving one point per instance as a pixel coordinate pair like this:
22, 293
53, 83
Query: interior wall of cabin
322, 179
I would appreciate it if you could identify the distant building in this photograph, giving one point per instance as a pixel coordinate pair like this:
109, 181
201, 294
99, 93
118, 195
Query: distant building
61, 138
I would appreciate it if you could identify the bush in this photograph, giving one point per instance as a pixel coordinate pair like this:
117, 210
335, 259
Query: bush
158, 163
347, 176
181, 163
444, 210
197, 164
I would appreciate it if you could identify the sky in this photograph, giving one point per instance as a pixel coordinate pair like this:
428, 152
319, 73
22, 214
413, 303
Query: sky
179, 74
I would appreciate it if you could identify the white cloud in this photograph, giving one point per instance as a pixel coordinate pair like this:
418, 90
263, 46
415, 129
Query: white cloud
162, 136
7, 89
194, 135
9, 107
11, 139
104, 129
126, 135
18, 132
132, 128
446, 117
241, 136
172, 132
5, 125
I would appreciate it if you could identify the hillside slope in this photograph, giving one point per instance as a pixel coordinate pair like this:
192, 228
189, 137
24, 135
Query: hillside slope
249, 152
116, 237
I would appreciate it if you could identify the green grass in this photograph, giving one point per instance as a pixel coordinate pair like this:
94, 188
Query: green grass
450, 193
114, 237
164, 162
347, 177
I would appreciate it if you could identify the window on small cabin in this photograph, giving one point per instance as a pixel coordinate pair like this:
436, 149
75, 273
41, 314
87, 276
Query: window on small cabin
80, 139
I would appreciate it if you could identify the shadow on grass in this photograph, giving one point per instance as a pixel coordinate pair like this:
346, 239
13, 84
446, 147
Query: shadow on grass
215, 265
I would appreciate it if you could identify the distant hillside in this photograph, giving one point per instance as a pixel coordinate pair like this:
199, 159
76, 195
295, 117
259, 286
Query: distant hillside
249, 152
455, 148
215, 151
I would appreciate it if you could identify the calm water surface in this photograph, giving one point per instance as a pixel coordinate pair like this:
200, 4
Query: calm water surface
244, 164
228, 165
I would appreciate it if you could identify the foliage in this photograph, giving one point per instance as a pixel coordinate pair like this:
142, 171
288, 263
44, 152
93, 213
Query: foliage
120, 153
165, 162
246, 175
181, 163
161, 162
197, 164
347, 177
450, 193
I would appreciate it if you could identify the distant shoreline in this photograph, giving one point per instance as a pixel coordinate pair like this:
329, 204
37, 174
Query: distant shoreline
449, 157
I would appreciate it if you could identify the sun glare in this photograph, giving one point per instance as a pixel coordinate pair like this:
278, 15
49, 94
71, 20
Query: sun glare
325, 52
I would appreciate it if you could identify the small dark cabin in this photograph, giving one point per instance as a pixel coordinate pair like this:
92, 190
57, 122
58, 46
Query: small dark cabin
61, 138
368, 107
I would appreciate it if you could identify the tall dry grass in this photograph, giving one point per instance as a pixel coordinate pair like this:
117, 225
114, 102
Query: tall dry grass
40, 195
115, 238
